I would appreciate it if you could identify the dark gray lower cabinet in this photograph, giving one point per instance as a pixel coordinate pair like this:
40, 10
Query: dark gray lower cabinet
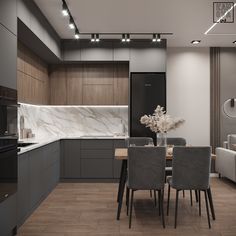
71, 158
8, 216
38, 174
23, 193
90, 159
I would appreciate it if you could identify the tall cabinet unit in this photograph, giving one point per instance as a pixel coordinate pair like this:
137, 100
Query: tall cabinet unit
8, 49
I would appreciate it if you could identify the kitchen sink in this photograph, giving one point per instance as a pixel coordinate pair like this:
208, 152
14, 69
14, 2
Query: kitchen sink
25, 144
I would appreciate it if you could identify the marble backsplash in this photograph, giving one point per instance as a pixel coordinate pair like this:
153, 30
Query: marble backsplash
69, 121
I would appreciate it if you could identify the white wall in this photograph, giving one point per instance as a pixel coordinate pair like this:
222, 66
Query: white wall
188, 92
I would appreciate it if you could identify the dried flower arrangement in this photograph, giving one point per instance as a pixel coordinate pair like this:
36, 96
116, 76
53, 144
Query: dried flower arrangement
160, 122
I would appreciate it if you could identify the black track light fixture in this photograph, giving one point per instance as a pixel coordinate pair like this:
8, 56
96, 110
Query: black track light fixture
64, 9
77, 34
127, 38
123, 38
71, 23
97, 38
92, 38
158, 38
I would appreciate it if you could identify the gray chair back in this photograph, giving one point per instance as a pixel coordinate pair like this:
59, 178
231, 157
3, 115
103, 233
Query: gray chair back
146, 167
176, 141
231, 138
191, 167
138, 141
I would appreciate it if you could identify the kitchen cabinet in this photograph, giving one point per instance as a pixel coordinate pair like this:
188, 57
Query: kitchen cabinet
71, 154
121, 52
23, 194
90, 159
96, 52
121, 84
8, 15
71, 51
38, 174
8, 216
58, 86
95, 168
8, 48
144, 59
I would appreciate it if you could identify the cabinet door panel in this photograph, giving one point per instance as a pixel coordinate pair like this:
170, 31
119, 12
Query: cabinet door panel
121, 52
8, 215
8, 48
93, 52
121, 84
36, 174
74, 75
96, 168
72, 158
23, 206
144, 59
106, 153
98, 95
96, 144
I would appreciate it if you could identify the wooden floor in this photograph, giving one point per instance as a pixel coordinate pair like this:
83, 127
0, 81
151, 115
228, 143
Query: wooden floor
78, 209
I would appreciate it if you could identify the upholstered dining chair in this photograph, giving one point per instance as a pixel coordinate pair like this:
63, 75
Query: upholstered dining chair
191, 171
138, 141
175, 141
146, 171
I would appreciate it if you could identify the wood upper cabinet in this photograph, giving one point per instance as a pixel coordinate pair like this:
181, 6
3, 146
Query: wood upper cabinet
98, 73
74, 81
58, 85
89, 84
121, 84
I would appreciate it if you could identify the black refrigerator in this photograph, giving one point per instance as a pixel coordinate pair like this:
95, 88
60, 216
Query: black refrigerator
147, 90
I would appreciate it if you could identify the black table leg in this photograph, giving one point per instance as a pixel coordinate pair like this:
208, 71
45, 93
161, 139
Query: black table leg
121, 174
122, 187
211, 203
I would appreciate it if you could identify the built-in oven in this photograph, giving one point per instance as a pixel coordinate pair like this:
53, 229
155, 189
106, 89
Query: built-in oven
8, 142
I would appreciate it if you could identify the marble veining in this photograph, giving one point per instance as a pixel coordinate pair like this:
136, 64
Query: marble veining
69, 121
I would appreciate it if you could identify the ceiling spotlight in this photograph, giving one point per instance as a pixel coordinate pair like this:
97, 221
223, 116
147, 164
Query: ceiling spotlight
64, 10
92, 38
97, 38
234, 42
77, 34
127, 38
71, 23
154, 38
123, 38
195, 42
158, 38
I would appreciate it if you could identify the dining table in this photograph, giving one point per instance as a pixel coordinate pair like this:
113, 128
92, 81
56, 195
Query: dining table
122, 155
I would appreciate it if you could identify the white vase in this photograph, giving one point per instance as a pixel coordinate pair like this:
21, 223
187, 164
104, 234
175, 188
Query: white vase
161, 139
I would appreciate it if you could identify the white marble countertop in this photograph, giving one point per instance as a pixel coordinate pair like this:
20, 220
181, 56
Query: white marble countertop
42, 142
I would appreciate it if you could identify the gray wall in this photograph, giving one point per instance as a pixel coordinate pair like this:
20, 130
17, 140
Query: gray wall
227, 88
188, 89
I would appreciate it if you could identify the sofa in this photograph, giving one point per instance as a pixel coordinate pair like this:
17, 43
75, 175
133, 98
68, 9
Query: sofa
226, 158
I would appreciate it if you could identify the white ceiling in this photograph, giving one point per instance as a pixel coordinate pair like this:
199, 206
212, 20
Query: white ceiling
186, 19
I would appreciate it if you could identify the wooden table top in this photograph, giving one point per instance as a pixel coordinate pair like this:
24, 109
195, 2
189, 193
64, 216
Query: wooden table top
122, 154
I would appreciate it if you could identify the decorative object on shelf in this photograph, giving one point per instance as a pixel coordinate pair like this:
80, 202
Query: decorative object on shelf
160, 123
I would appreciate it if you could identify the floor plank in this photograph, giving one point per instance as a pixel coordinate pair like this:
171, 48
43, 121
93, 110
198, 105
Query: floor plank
88, 209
